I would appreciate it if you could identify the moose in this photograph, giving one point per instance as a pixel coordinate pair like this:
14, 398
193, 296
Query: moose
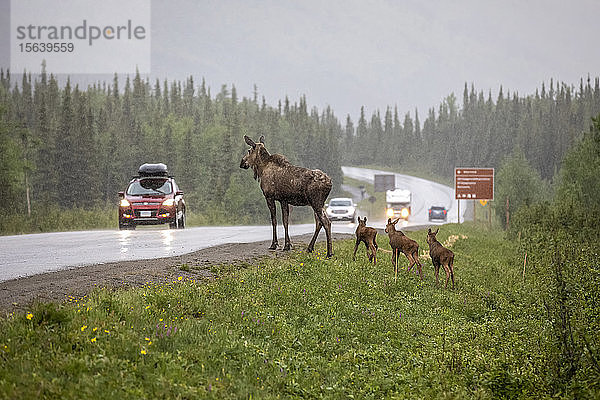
399, 242
440, 256
368, 236
290, 185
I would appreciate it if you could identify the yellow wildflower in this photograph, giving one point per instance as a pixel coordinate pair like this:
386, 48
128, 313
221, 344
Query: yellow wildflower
83, 328
143, 351
93, 339
29, 315
180, 278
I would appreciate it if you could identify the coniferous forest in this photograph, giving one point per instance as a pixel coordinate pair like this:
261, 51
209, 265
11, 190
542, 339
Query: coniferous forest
65, 147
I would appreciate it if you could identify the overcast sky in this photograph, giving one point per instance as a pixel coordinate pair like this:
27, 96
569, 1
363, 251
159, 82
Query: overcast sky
347, 54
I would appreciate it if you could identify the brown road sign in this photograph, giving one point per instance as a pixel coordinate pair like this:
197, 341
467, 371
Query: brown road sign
474, 183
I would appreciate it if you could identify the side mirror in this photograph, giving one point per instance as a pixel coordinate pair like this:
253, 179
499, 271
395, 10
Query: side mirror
121, 195
355, 205
326, 205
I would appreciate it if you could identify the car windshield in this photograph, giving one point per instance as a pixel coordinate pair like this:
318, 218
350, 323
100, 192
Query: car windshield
149, 186
340, 203
437, 208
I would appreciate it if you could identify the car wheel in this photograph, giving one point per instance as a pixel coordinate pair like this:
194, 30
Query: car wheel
182, 221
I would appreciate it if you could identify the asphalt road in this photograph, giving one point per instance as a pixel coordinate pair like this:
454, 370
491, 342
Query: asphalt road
424, 195
26, 255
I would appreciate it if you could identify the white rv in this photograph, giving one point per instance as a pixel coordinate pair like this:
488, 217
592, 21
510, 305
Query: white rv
398, 203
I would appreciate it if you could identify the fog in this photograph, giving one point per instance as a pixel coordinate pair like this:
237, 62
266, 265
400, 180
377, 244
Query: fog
348, 54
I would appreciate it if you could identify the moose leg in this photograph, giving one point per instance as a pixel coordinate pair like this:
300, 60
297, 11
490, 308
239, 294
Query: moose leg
373, 256
327, 225
436, 268
411, 262
355, 248
271, 205
419, 265
395, 262
285, 212
318, 225
447, 270
452, 273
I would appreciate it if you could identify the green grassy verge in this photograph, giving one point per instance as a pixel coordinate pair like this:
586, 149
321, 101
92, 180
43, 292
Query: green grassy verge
416, 170
51, 219
299, 326
375, 210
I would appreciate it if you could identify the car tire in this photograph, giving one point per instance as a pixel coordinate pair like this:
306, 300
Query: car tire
182, 221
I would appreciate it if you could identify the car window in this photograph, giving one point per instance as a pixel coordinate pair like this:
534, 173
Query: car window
340, 203
149, 186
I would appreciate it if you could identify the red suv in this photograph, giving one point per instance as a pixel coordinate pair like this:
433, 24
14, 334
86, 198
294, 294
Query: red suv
152, 198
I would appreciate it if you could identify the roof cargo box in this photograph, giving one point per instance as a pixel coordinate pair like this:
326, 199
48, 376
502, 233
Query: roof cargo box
159, 169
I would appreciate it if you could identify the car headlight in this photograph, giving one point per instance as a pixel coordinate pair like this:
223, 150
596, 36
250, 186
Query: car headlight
124, 203
169, 202
404, 213
390, 212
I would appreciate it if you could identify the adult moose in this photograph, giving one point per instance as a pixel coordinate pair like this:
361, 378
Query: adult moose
289, 185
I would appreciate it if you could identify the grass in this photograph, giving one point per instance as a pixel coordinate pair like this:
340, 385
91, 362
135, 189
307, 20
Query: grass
416, 170
293, 326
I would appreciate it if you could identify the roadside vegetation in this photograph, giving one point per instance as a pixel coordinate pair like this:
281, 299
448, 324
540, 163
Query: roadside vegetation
302, 326
297, 326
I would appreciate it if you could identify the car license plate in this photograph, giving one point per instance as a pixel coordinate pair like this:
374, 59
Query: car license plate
145, 213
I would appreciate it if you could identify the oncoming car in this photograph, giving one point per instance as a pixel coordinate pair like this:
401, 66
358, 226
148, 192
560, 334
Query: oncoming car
437, 212
341, 209
152, 197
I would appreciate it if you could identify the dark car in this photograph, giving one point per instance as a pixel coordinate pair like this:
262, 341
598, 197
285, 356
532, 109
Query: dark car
437, 212
152, 197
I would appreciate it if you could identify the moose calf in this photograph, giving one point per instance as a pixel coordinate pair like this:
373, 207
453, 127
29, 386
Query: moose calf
440, 256
399, 242
368, 236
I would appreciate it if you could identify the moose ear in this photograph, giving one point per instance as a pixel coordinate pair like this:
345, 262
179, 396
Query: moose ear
365, 220
262, 139
429, 230
396, 221
249, 141
437, 230
389, 220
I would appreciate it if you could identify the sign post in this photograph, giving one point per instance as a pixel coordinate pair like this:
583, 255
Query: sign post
473, 184
383, 182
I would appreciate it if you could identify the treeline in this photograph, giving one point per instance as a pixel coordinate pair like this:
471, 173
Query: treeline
480, 133
559, 238
71, 148
65, 147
